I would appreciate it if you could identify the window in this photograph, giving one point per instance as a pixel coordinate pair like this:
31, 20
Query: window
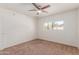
56, 25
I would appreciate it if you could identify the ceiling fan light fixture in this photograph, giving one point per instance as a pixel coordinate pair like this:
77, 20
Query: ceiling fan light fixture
39, 11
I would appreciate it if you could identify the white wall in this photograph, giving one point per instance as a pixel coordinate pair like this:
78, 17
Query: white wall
68, 35
78, 27
15, 28
0, 31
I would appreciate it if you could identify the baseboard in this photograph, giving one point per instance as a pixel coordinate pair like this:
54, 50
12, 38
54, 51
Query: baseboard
16, 44
41, 39
1, 49
60, 43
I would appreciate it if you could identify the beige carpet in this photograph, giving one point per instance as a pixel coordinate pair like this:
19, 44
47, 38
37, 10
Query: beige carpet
40, 47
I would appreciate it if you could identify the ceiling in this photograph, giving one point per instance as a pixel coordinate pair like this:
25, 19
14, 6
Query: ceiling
24, 7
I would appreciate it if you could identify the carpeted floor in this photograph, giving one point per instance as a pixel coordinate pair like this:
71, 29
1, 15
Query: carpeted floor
40, 47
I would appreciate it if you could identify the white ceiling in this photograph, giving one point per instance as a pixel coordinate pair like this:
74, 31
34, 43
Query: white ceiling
24, 7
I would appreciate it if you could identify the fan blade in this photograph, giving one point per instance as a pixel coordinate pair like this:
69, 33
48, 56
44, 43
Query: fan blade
45, 7
32, 10
35, 5
44, 11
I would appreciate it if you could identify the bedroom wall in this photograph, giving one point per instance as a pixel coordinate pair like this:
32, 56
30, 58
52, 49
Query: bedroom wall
78, 27
15, 28
0, 32
68, 35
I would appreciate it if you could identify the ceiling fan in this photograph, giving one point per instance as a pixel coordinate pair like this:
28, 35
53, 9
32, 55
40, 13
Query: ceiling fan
39, 8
